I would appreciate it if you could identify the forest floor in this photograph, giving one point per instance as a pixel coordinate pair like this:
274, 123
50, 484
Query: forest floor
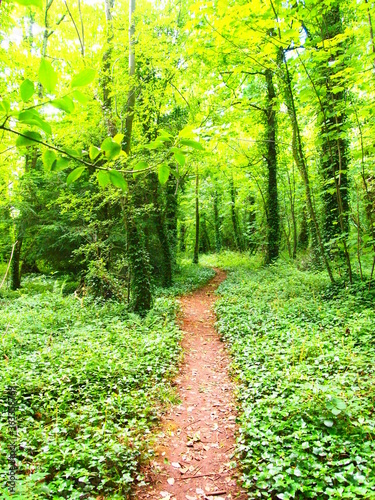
195, 452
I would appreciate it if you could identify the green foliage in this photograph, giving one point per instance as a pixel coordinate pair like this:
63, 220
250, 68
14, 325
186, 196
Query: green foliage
47, 76
91, 380
303, 355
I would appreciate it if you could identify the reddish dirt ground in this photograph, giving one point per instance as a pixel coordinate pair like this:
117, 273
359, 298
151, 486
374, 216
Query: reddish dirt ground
195, 455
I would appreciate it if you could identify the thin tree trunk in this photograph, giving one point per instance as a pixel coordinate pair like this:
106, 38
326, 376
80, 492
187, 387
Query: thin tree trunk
218, 243
196, 246
273, 226
236, 232
15, 269
131, 95
299, 158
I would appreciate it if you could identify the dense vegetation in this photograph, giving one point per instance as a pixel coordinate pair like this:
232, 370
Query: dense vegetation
93, 379
135, 136
303, 354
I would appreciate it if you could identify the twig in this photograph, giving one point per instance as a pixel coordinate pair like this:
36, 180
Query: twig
202, 475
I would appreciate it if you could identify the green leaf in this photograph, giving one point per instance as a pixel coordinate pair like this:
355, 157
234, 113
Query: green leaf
118, 180
74, 175
48, 158
341, 405
103, 178
141, 165
94, 152
64, 103
78, 96
26, 90
29, 140
154, 144
74, 152
31, 3
297, 472
328, 423
83, 78
32, 117
180, 158
5, 106
60, 164
47, 76
164, 133
118, 138
163, 173
192, 144
111, 149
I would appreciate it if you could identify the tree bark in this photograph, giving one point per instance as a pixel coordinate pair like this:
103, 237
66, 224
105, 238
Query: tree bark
196, 246
131, 95
273, 223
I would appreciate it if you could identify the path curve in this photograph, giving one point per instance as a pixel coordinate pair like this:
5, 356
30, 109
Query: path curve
195, 455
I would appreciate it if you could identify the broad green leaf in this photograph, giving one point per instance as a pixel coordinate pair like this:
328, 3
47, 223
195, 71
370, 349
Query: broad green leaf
78, 96
32, 117
47, 76
339, 403
74, 152
64, 103
26, 90
31, 3
48, 158
118, 138
60, 164
5, 106
118, 180
83, 78
192, 144
74, 175
111, 149
164, 133
94, 152
154, 144
163, 173
328, 423
103, 178
29, 140
180, 158
141, 165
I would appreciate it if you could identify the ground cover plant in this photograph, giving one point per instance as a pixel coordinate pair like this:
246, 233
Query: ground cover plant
303, 354
91, 379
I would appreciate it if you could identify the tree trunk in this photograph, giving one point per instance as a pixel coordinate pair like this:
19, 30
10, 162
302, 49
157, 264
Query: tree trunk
299, 158
218, 243
131, 95
106, 71
196, 246
15, 270
236, 232
273, 223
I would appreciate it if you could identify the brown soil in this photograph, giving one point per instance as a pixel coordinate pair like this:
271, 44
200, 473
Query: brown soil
195, 456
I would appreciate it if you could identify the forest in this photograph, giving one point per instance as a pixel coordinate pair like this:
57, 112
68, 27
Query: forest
187, 187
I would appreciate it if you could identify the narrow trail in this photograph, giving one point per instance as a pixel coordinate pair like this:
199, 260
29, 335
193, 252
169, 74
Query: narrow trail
193, 459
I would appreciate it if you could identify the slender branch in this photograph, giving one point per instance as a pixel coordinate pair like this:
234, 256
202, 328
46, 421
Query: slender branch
76, 28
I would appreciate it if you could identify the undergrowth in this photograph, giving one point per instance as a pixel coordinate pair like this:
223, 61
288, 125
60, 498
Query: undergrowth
91, 381
304, 354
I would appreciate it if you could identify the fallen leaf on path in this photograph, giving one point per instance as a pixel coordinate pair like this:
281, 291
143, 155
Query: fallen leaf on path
176, 465
165, 494
170, 481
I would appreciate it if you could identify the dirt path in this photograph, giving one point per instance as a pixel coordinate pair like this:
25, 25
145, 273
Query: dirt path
194, 456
